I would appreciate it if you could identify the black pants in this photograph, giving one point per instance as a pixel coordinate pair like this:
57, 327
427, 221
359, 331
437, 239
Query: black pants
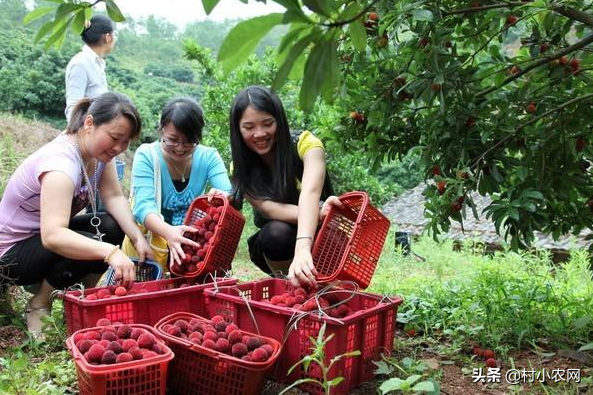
276, 240
28, 262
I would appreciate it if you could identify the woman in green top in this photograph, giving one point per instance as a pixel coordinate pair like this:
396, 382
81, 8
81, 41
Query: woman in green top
283, 176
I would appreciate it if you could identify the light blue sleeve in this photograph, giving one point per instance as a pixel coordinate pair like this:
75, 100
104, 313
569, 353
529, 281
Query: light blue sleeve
217, 174
76, 82
143, 184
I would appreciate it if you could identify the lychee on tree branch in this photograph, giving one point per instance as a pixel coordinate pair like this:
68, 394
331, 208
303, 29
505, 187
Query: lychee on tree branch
530, 122
361, 13
556, 55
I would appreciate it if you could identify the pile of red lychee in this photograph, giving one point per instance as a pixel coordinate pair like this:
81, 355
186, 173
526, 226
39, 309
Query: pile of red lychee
113, 291
194, 256
488, 355
329, 301
219, 335
116, 343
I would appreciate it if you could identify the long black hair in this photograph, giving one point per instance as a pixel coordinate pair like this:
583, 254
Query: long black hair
186, 115
95, 33
250, 174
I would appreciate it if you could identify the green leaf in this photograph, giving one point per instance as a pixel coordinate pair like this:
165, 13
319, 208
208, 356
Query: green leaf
393, 384
335, 382
332, 73
66, 8
243, 39
295, 51
313, 77
59, 33
424, 386
209, 5
587, 347
350, 11
78, 22
296, 31
291, 16
382, 368
318, 6
359, 35
114, 12
36, 14
45, 29
422, 15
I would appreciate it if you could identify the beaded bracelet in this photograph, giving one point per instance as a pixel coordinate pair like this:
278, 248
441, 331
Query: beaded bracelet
304, 237
113, 251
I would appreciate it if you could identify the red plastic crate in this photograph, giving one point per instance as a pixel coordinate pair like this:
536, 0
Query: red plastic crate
226, 237
141, 377
199, 370
350, 241
162, 297
370, 329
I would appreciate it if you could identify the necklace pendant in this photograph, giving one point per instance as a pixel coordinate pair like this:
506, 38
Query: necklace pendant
182, 178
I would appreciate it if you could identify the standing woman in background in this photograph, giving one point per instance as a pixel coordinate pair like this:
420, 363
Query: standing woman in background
283, 176
85, 73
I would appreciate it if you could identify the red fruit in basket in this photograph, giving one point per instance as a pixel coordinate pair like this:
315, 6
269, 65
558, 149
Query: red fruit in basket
195, 336
115, 347
210, 336
194, 260
220, 326
275, 299
207, 220
103, 293
104, 343
230, 328
216, 217
92, 296
333, 312
84, 345
247, 358
222, 335
217, 318
124, 331
208, 235
108, 335
173, 331
186, 259
491, 362
148, 353
95, 353
235, 336
78, 337
120, 291
487, 354
344, 310
253, 343
209, 343
212, 227
108, 357
223, 345
103, 322
299, 299
259, 355
239, 350
159, 348
136, 352
124, 357
290, 301
268, 348
127, 344
136, 332
309, 305
183, 325
146, 340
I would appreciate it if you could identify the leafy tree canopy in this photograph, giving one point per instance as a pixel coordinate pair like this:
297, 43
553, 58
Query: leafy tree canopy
496, 95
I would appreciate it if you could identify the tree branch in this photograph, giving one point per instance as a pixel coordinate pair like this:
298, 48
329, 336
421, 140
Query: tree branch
572, 13
530, 122
576, 46
483, 7
342, 23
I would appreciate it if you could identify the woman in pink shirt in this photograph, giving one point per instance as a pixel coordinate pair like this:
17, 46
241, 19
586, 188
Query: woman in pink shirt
42, 240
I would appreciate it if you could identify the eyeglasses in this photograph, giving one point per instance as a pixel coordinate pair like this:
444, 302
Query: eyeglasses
173, 144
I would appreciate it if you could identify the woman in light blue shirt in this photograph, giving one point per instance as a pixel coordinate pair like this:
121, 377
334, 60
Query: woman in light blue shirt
85, 73
186, 168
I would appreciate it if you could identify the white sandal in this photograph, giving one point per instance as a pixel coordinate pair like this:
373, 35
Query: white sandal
34, 316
